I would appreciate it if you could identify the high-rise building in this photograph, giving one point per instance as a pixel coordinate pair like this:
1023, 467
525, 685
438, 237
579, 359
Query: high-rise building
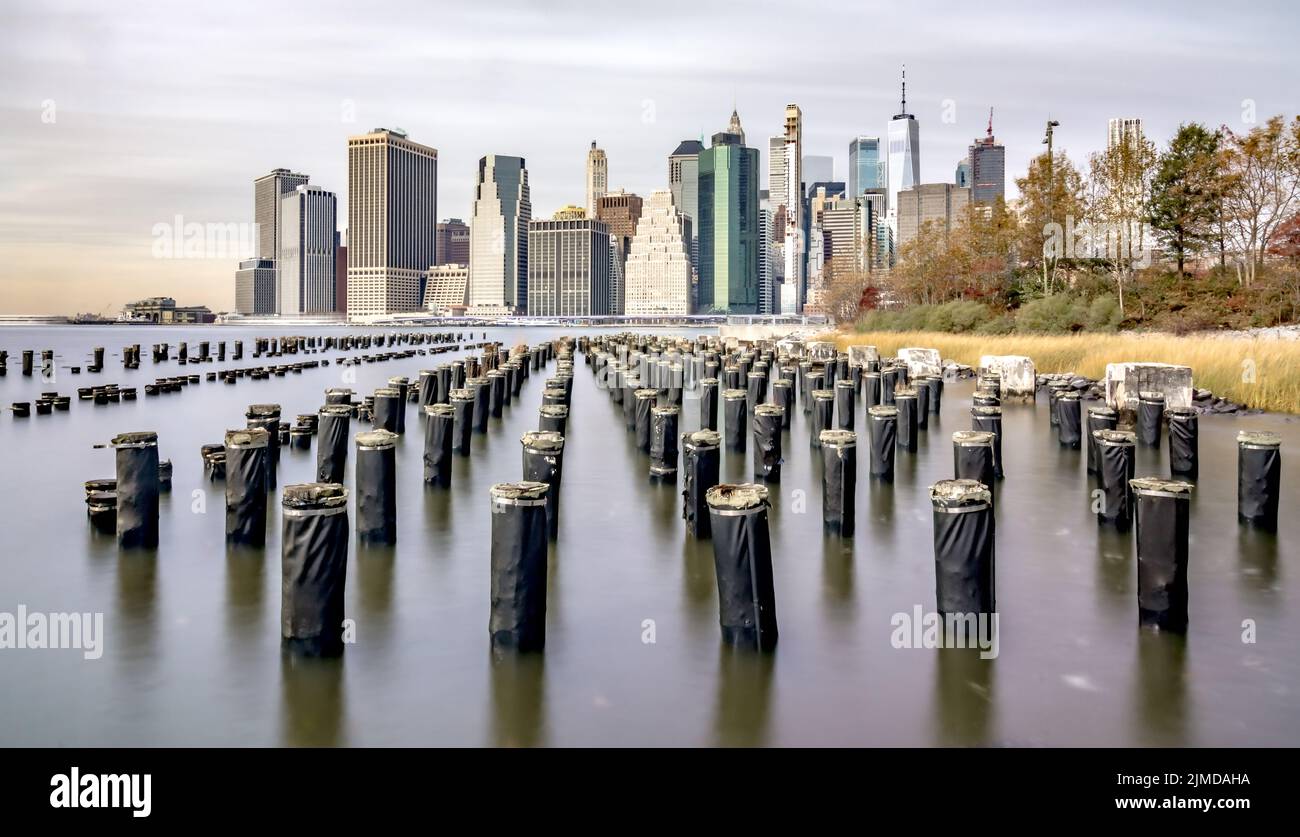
941, 203
447, 289
728, 226
818, 168
659, 261
268, 190
568, 268
255, 287
777, 183
597, 177
795, 233
620, 211
904, 168
340, 274
498, 229
1123, 129
867, 166
841, 237
684, 182
734, 127
877, 243
768, 301
453, 242
308, 235
392, 221
988, 168
961, 177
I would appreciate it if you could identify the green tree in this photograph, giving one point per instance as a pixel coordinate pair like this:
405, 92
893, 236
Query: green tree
1119, 195
1186, 192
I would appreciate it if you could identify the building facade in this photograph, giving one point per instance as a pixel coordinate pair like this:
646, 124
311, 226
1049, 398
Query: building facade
988, 170
453, 242
621, 211
568, 268
867, 166
684, 183
904, 160
392, 221
940, 203
794, 249
255, 287
658, 265
308, 236
597, 177
447, 289
498, 229
729, 227
268, 191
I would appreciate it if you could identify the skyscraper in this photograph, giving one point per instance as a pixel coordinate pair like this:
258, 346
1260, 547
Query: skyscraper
904, 151
734, 127
988, 168
1123, 129
940, 203
568, 267
268, 190
961, 177
255, 287
794, 249
620, 211
768, 302
658, 261
728, 226
392, 221
597, 177
684, 182
453, 242
308, 260
867, 169
498, 230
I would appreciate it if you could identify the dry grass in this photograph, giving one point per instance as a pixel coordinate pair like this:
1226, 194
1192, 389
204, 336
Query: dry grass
1223, 366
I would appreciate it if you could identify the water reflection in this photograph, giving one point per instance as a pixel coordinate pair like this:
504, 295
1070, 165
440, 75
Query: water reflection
837, 569
518, 700
1257, 566
963, 697
744, 697
245, 592
1161, 689
313, 705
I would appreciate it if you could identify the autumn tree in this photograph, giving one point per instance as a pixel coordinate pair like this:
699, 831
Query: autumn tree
1186, 192
1051, 198
1262, 188
1118, 199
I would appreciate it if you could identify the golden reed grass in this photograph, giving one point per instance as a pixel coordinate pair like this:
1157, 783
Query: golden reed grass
1258, 373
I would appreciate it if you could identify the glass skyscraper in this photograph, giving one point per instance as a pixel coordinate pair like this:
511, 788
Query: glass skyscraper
729, 227
867, 166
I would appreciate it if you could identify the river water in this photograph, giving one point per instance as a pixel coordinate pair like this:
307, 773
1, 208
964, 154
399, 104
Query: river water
192, 647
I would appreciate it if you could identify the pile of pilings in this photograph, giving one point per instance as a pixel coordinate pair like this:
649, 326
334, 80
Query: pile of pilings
456, 400
740, 390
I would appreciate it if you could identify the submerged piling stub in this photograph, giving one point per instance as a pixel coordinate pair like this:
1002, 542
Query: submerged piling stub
553, 417
907, 404
768, 421
543, 461
701, 464
246, 455
644, 405
663, 442
333, 424
267, 417
313, 567
1099, 418
972, 457
1115, 466
1184, 441
883, 421
1259, 478
823, 414
137, 489
462, 403
1163, 509
439, 427
376, 487
839, 481
518, 562
1069, 420
742, 558
734, 403
1150, 417
989, 419
964, 547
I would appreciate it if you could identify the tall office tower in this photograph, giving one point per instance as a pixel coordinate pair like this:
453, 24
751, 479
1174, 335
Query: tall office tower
453, 242
268, 190
307, 240
597, 177
818, 168
684, 182
767, 290
961, 177
392, 221
568, 267
498, 234
620, 211
988, 168
340, 274
904, 151
255, 287
1122, 129
867, 169
819, 194
841, 237
941, 203
659, 261
734, 127
447, 289
728, 227
796, 255
877, 240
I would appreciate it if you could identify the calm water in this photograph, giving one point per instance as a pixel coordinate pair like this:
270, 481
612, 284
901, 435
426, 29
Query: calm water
192, 649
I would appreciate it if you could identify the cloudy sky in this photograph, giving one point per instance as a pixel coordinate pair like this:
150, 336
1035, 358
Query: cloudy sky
118, 117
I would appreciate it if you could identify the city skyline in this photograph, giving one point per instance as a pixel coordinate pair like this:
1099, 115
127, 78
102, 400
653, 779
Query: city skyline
119, 124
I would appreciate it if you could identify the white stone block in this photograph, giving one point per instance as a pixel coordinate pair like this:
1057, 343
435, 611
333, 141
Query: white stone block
921, 361
859, 355
1018, 375
1125, 380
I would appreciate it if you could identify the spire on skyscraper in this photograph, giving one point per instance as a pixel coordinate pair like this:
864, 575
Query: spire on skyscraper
902, 112
734, 126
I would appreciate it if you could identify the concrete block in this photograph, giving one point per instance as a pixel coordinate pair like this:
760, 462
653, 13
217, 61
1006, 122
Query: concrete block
1018, 375
921, 361
859, 355
1125, 380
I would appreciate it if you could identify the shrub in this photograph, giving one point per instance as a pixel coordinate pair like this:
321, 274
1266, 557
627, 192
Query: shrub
1103, 314
1053, 314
